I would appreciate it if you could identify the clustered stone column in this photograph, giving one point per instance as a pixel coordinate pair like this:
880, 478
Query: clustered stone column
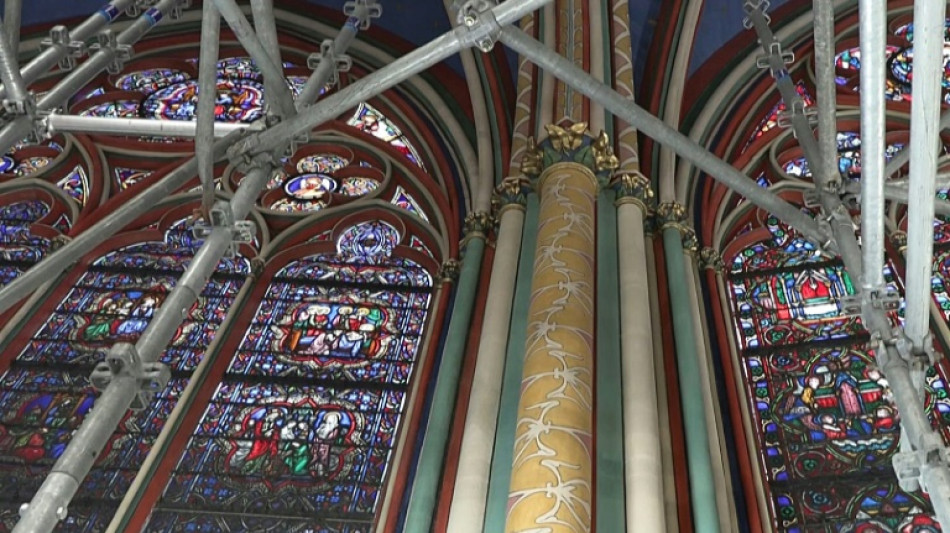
552, 473
467, 512
680, 243
643, 462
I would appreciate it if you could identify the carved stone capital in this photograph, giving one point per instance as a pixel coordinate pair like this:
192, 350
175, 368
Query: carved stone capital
58, 242
511, 193
671, 214
478, 223
710, 258
690, 242
634, 188
570, 144
257, 267
450, 270
899, 240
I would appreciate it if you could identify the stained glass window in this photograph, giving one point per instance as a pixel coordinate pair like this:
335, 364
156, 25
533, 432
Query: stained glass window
369, 119
405, 200
358, 185
45, 394
19, 249
126, 177
826, 423
771, 120
849, 157
299, 434
76, 184
900, 65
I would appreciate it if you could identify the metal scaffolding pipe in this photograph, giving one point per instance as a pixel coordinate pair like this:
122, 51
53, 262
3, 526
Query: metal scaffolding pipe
204, 113
399, 70
827, 164
266, 27
55, 263
321, 75
281, 98
929, 16
901, 158
12, 10
48, 58
10, 69
873, 30
662, 133
83, 74
57, 123
49, 505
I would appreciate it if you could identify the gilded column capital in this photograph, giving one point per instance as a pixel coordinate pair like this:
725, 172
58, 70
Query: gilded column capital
511, 193
710, 258
449, 273
899, 240
477, 223
633, 188
570, 144
673, 215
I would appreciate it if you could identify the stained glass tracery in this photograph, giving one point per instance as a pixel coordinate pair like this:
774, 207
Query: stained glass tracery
369, 119
298, 435
45, 394
19, 249
826, 423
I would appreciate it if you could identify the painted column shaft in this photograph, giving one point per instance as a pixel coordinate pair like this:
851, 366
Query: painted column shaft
467, 513
724, 500
551, 480
701, 484
643, 461
429, 471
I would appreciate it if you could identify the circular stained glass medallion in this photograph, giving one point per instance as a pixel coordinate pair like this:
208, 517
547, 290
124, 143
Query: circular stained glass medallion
150, 80
7, 164
31, 164
322, 163
310, 186
239, 100
357, 186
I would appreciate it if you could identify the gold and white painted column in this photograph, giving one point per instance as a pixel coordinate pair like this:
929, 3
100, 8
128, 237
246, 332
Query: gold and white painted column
552, 473
467, 511
643, 460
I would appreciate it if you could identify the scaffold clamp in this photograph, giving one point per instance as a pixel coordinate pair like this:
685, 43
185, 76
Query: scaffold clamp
364, 10
59, 36
121, 53
123, 360
242, 231
340, 62
478, 17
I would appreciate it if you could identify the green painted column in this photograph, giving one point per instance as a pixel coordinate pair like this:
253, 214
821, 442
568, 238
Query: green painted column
425, 487
671, 218
500, 478
611, 495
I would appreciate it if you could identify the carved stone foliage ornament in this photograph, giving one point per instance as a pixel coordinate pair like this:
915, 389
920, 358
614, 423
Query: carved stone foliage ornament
511, 191
634, 187
709, 258
450, 270
478, 222
570, 144
673, 215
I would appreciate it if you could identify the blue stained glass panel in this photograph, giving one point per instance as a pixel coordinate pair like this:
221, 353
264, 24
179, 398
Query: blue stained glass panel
46, 393
304, 422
